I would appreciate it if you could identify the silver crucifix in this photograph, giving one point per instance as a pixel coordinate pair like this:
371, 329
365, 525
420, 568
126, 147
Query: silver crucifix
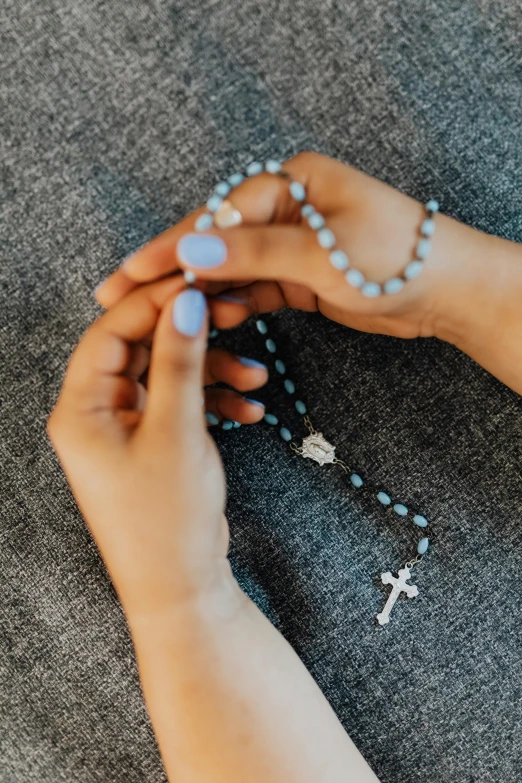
399, 586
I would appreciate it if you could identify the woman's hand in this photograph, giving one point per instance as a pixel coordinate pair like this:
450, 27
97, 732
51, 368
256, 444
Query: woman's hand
228, 698
468, 293
144, 471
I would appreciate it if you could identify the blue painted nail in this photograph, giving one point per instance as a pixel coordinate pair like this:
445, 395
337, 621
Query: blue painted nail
204, 251
189, 311
232, 299
253, 402
246, 362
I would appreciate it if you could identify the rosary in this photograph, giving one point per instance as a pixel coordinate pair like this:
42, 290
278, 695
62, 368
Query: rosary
222, 213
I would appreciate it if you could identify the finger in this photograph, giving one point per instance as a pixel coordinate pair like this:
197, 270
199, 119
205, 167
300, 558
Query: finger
176, 371
264, 198
282, 253
105, 351
241, 372
221, 366
258, 200
224, 405
114, 288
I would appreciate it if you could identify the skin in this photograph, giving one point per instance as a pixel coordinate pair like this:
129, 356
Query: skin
228, 698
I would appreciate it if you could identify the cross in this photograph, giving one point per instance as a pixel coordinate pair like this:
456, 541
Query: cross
399, 586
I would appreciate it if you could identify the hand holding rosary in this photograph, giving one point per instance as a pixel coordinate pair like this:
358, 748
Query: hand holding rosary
315, 234
222, 213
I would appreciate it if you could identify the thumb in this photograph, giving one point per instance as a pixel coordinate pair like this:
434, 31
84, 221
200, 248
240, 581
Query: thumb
273, 252
176, 370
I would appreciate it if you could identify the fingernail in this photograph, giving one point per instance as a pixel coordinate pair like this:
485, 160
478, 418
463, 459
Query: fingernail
189, 312
246, 362
232, 299
253, 402
203, 251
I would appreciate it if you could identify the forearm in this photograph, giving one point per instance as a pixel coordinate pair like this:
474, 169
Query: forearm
481, 311
231, 702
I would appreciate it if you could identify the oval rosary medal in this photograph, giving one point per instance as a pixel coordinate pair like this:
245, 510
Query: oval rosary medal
316, 447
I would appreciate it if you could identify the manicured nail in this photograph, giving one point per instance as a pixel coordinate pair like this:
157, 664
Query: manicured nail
189, 311
204, 251
246, 362
232, 299
253, 402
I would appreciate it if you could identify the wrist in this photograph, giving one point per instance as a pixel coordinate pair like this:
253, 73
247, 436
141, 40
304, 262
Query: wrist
477, 278
170, 613
477, 299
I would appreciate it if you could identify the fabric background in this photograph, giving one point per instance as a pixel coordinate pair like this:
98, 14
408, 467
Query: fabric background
117, 118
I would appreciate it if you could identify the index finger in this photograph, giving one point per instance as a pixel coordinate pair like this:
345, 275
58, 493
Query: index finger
261, 199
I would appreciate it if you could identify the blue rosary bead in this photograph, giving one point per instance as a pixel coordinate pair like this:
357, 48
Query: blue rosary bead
422, 546
254, 168
262, 328
316, 221
420, 521
271, 419
213, 333
339, 260
428, 227
236, 179
272, 166
289, 386
432, 205
356, 480
423, 249
394, 285
400, 509
211, 418
203, 222
371, 290
413, 270
271, 346
307, 210
280, 367
355, 278
300, 407
214, 203
383, 498
222, 188
297, 191
325, 238
285, 434
227, 424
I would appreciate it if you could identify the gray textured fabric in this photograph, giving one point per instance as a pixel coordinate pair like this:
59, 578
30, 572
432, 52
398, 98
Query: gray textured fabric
116, 120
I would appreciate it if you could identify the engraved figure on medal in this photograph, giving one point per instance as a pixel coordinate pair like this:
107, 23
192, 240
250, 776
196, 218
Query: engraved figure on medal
316, 447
